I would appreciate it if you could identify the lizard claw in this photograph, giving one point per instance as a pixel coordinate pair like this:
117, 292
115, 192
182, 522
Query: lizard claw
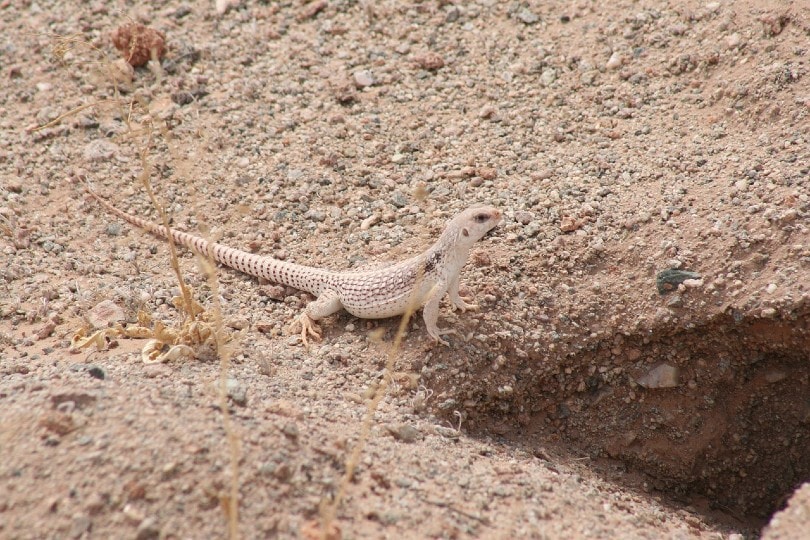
464, 306
438, 336
308, 326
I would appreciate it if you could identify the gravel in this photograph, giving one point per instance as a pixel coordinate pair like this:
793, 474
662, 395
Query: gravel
617, 139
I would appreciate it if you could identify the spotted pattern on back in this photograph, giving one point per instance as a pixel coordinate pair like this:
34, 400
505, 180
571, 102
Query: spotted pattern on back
377, 293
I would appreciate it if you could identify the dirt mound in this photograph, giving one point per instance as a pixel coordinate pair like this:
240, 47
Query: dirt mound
728, 423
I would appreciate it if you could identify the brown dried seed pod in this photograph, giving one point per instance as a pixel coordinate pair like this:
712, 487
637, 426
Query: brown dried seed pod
138, 43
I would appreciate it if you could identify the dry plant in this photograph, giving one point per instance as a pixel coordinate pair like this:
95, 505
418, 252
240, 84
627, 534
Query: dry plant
199, 327
230, 502
7, 226
328, 511
328, 529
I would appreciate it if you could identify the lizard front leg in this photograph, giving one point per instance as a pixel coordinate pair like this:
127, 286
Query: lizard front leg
457, 301
327, 303
430, 313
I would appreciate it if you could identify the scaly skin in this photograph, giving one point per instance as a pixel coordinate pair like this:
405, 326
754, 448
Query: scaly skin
418, 282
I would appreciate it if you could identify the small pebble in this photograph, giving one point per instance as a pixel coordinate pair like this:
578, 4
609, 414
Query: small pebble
669, 279
399, 200
122, 72
614, 62
548, 76
147, 529
487, 111
236, 391
775, 376
430, 61
404, 432
113, 229
487, 173
367, 223
100, 150
222, 6
290, 429
80, 526
527, 17
364, 78
733, 41
523, 217
95, 504
661, 376
239, 323
84, 440
768, 313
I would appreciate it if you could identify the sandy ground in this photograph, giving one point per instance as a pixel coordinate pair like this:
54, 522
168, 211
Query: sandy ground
620, 139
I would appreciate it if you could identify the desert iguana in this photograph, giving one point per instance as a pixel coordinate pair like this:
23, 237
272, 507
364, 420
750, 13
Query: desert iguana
420, 281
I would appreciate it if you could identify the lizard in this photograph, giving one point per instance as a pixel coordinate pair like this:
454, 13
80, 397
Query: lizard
418, 282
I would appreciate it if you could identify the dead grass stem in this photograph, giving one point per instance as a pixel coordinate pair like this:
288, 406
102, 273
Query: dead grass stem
143, 138
329, 509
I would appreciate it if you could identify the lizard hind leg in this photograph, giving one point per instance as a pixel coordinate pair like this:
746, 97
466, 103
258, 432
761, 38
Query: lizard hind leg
308, 328
327, 303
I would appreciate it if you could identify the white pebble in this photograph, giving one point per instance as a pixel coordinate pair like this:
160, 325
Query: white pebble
548, 76
364, 78
661, 376
100, 150
615, 61
369, 221
733, 40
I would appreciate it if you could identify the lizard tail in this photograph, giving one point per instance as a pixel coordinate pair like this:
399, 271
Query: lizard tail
295, 275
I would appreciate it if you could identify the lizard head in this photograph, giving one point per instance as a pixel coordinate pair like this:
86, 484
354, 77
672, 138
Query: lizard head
473, 224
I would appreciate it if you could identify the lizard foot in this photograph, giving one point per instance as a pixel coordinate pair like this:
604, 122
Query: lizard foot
308, 327
437, 334
463, 306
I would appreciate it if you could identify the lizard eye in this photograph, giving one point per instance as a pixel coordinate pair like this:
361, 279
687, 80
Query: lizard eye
480, 218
